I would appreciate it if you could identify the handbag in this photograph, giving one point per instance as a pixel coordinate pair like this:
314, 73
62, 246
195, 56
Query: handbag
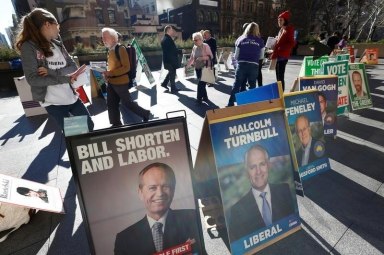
207, 75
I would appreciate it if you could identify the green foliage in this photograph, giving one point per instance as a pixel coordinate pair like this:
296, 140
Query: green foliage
226, 41
7, 54
80, 50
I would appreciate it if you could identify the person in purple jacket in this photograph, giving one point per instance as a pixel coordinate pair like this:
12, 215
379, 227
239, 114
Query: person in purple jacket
247, 53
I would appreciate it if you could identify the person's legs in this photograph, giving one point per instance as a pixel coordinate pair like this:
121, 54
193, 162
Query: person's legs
79, 109
172, 77
58, 113
166, 81
260, 75
240, 79
252, 72
280, 71
199, 95
125, 96
113, 101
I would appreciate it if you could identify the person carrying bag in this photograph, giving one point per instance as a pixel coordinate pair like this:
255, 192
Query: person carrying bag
201, 52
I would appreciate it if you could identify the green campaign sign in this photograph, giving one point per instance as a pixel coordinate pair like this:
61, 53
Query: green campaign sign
312, 67
339, 68
358, 87
143, 61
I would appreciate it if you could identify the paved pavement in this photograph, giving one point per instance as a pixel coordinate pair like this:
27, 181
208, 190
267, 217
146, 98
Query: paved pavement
342, 212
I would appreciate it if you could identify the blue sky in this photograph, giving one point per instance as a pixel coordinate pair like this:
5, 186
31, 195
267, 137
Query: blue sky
6, 16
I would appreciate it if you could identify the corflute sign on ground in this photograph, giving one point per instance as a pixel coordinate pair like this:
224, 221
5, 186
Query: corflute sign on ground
135, 189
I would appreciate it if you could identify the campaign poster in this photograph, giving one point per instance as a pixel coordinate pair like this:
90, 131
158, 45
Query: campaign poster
266, 92
30, 194
358, 87
135, 189
253, 159
313, 66
143, 61
339, 68
341, 57
327, 87
370, 56
305, 124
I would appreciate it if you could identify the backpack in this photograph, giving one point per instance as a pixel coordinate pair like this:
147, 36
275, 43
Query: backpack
132, 59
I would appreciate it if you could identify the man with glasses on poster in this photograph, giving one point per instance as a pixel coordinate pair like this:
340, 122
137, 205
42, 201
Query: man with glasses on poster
310, 149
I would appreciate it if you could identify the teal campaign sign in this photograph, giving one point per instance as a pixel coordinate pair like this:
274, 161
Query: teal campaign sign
339, 68
143, 61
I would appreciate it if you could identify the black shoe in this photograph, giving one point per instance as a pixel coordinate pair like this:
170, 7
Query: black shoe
198, 101
175, 90
164, 86
205, 99
146, 117
115, 125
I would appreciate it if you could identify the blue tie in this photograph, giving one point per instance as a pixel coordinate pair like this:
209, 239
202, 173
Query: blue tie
266, 210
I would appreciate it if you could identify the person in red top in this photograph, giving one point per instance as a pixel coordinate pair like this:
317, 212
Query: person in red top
284, 45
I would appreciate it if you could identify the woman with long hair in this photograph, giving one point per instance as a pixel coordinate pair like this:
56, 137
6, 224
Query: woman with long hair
48, 68
247, 53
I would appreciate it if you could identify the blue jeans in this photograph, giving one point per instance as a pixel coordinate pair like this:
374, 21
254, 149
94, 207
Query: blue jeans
59, 112
244, 71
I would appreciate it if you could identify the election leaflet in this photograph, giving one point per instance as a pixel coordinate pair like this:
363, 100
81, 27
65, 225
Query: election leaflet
130, 179
253, 158
327, 87
358, 87
305, 124
30, 194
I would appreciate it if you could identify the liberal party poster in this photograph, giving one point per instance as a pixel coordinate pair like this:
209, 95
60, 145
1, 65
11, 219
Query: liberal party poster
358, 87
135, 189
339, 68
327, 87
253, 159
303, 113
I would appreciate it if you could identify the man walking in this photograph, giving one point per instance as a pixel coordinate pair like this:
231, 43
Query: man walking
170, 59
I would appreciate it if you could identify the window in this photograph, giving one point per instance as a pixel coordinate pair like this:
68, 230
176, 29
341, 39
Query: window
200, 16
111, 16
215, 17
99, 16
93, 41
208, 19
250, 6
78, 39
229, 5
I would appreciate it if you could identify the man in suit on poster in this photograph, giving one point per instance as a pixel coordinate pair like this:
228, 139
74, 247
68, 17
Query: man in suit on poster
310, 149
162, 227
358, 84
265, 203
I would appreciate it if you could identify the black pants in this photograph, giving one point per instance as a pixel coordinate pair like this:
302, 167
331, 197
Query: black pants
115, 93
260, 76
170, 78
201, 87
280, 70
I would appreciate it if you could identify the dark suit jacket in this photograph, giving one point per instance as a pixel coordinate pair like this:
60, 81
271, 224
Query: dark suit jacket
170, 58
212, 44
246, 218
312, 155
180, 226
